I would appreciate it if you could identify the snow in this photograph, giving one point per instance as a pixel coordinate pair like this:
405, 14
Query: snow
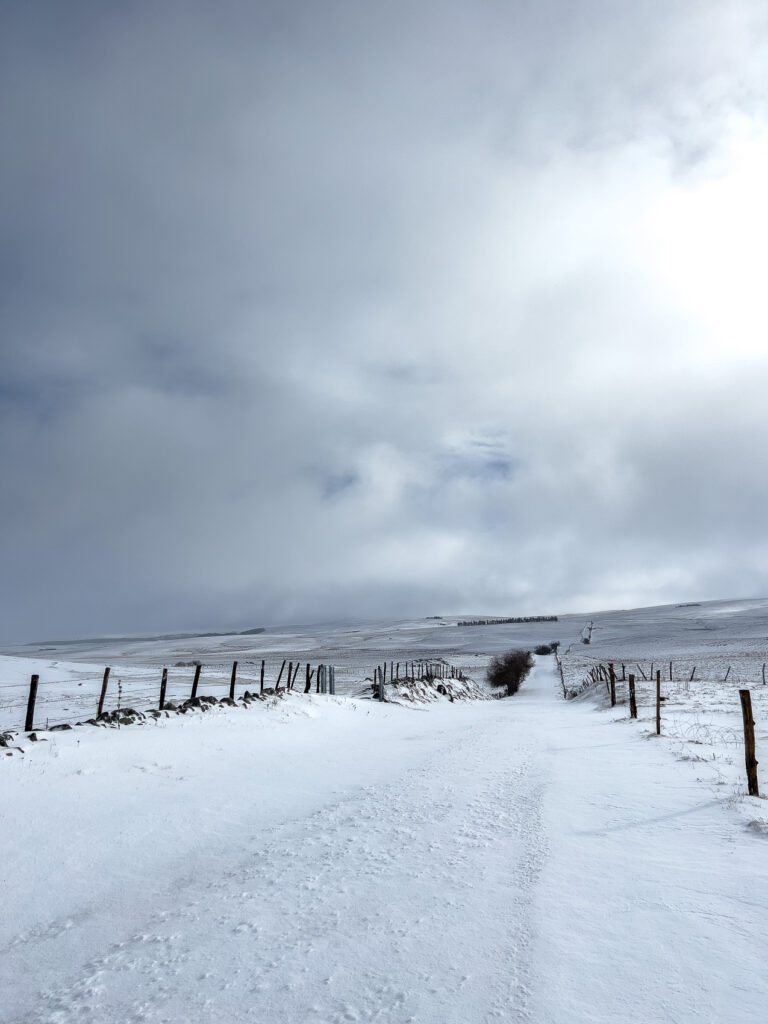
330, 859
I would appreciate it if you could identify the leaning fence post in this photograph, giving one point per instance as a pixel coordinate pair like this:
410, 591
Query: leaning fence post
632, 700
103, 696
28, 725
613, 685
749, 742
232, 681
163, 684
658, 703
195, 681
277, 684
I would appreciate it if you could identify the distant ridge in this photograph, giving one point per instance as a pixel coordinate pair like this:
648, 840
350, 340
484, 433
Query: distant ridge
144, 639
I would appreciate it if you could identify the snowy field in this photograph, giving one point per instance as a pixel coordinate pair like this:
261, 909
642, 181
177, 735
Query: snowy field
331, 859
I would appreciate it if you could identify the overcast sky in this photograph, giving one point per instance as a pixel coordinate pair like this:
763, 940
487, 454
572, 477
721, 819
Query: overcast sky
323, 309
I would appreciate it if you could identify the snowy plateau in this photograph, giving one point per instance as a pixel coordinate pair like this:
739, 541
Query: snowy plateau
328, 858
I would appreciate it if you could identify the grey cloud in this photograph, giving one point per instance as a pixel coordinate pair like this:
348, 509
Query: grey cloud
310, 309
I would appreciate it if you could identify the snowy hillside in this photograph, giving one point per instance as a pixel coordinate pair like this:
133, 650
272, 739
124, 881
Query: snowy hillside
332, 859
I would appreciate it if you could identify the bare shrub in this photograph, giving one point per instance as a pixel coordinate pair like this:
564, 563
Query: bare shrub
509, 670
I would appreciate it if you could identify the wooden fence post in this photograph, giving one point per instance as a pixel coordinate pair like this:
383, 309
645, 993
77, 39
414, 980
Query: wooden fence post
232, 681
309, 679
28, 724
658, 703
749, 742
261, 680
195, 681
670, 671
613, 685
727, 674
290, 673
277, 684
103, 696
163, 684
632, 700
623, 673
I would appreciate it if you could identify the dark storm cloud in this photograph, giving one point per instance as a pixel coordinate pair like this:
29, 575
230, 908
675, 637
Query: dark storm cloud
309, 309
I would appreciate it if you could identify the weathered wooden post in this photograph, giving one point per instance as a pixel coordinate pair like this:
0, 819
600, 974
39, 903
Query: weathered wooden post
195, 681
308, 680
670, 671
658, 703
261, 680
749, 742
623, 673
163, 684
727, 674
232, 679
613, 684
632, 700
332, 680
28, 724
277, 684
103, 695
290, 673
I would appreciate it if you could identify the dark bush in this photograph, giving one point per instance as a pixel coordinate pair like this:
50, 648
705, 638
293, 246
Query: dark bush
547, 648
509, 670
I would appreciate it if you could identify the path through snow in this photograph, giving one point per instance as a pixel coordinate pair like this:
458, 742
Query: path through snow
520, 860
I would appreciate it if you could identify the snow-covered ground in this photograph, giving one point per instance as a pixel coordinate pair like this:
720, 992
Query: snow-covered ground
330, 859
710, 636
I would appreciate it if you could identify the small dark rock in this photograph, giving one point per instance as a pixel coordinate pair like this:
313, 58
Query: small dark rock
60, 728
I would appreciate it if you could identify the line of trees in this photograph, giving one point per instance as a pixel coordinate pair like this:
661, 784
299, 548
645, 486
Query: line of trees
501, 622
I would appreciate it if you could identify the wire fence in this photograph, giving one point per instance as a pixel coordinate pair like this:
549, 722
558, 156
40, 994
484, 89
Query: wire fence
74, 695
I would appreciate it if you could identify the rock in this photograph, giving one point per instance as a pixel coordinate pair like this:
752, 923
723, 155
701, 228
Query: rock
60, 728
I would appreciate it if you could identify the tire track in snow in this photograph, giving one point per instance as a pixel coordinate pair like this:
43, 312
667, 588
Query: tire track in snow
409, 902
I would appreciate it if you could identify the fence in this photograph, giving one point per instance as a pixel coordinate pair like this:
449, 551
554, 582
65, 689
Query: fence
115, 694
664, 687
